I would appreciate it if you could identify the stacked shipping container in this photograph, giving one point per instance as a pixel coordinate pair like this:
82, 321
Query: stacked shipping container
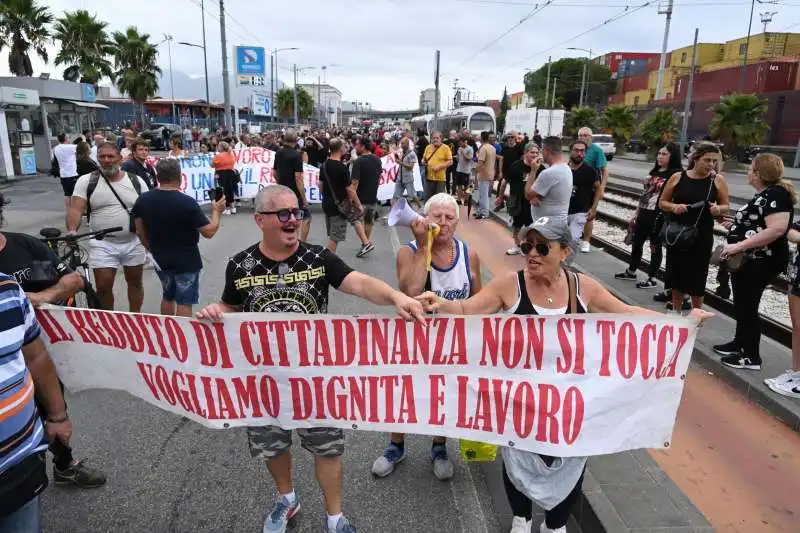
764, 77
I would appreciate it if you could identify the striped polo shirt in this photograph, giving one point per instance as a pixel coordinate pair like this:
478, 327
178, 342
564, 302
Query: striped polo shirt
21, 431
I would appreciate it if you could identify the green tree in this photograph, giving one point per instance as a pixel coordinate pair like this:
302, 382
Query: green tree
136, 68
285, 103
739, 121
501, 120
569, 72
658, 128
25, 24
580, 117
85, 47
619, 121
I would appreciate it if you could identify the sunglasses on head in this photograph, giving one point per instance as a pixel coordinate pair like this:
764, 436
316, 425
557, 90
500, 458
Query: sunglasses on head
284, 215
542, 248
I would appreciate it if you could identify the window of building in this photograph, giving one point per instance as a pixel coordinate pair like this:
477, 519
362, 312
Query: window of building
742, 48
683, 57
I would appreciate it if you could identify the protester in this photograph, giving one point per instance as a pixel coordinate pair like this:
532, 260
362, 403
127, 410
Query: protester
281, 255
455, 274
465, 155
788, 383
287, 170
224, 164
512, 151
46, 279
648, 218
25, 365
452, 142
586, 191
340, 201
485, 172
516, 203
138, 165
404, 182
110, 195
98, 140
537, 137
596, 159
543, 287
169, 224
436, 159
757, 240
692, 198
549, 193
176, 151
366, 177
65, 166
83, 158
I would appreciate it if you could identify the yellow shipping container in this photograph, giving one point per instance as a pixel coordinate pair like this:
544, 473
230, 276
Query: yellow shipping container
721, 65
639, 98
706, 53
668, 83
763, 46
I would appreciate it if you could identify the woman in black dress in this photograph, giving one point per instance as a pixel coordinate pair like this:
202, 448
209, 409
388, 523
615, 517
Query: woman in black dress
693, 198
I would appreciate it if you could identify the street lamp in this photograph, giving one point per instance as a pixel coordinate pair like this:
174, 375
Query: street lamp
583, 78
273, 57
319, 88
205, 63
168, 39
294, 90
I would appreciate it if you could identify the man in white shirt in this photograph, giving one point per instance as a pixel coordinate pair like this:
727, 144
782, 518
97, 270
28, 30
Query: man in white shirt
550, 192
98, 140
66, 160
108, 210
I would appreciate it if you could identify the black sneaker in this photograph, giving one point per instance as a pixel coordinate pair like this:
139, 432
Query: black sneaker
663, 296
723, 292
687, 304
365, 249
626, 276
81, 475
742, 362
729, 349
669, 306
647, 284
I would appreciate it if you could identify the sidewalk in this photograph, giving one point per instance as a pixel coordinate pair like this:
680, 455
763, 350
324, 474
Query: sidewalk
789, 172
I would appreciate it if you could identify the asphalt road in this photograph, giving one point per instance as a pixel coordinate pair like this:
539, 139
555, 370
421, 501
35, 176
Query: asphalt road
167, 474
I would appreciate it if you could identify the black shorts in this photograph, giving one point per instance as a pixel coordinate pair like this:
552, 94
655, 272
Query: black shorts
68, 184
461, 179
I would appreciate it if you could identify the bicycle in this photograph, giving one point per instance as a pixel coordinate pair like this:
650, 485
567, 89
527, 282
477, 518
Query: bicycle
76, 257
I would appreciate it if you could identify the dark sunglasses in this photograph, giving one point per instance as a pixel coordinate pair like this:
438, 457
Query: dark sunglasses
542, 248
284, 215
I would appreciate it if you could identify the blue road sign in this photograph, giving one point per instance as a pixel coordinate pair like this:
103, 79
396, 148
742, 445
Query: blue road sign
251, 61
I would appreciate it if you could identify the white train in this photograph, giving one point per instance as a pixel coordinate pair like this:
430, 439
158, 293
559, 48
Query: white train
475, 118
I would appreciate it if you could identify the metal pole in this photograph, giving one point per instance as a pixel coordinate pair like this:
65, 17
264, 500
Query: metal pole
319, 98
294, 92
171, 78
689, 90
796, 154
588, 78
205, 60
225, 81
547, 86
583, 84
272, 87
553, 100
663, 61
436, 88
746, 47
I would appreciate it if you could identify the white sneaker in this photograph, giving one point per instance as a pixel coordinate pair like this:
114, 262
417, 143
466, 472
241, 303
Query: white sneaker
520, 525
790, 388
787, 376
585, 247
233, 210
544, 529
514, 250
226, 212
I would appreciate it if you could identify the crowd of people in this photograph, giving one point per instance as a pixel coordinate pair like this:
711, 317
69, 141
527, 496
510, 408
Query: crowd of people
553, 201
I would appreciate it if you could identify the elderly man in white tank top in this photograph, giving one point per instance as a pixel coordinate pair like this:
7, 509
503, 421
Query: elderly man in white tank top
455, 275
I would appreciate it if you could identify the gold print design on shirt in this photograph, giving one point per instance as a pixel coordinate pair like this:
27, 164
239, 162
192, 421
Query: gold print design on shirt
273, 279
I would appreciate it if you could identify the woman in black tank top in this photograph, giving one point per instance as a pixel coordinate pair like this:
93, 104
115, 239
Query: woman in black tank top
544, 286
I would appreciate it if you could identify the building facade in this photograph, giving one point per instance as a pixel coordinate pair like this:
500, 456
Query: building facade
327, 102
427, 101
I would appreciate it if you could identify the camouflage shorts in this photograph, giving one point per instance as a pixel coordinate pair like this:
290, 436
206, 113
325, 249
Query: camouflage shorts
271, 441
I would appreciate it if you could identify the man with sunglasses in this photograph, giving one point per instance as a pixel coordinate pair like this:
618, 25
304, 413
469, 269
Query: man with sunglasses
282, 274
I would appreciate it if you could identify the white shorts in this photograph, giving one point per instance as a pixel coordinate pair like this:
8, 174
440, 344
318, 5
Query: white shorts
107, 254
576, 222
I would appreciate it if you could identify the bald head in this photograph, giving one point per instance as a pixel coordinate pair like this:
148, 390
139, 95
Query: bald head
265, 200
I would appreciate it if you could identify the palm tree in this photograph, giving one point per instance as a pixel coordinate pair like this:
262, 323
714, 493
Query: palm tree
25, 24
580, 117
285, 103
619, 121
739, 121
136, 68
658, 128
85, 47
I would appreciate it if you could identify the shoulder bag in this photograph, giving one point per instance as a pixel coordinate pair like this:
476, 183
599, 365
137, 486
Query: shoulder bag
680, 236
345, 205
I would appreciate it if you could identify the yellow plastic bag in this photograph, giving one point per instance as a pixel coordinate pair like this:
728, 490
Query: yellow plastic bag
477, 452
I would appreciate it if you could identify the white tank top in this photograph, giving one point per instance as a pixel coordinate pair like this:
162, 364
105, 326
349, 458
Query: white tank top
453, 282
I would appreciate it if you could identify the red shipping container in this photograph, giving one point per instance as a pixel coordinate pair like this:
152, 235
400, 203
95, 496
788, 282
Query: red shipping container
764, 77
774, 76
635, 83
616, 99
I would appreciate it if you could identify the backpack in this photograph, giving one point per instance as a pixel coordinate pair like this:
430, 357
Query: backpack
95, 179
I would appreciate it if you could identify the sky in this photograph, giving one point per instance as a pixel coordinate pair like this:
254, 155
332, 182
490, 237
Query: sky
382, 51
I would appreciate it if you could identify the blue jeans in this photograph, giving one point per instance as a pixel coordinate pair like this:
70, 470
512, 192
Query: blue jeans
181, 288
483, 197
26, 519
423, 172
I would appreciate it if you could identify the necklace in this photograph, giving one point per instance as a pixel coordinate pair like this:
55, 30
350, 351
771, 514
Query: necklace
451, 254
549, 299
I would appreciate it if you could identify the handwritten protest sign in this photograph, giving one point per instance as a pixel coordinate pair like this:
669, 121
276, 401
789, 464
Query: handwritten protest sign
255, 168
564, 386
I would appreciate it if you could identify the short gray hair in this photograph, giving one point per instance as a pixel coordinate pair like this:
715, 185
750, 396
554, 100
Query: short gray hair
441, 199
168, 171
265, 197
587, 130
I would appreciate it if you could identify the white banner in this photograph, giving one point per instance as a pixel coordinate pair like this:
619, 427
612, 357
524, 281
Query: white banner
559, 385
255, 167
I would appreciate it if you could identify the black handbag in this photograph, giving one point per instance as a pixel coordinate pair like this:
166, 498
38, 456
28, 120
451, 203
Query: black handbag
21, 483
679, 236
